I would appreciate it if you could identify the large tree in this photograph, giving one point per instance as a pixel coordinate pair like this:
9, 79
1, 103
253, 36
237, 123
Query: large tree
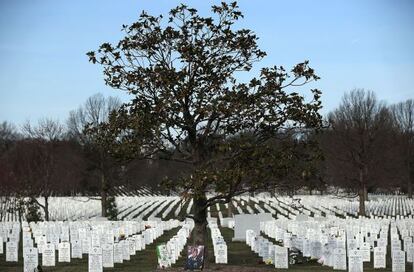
188, 105
101, 165
357, 145
403, 114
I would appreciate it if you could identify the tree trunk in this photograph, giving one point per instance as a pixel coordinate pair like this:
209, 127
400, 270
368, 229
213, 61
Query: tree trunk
19, 210
361, 202
46, 208
200, 225
200, 220
410, 185
366, 193
103, 195
361, 193
230, 209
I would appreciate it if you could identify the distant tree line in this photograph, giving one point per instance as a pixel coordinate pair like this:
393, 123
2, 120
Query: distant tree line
54, 159
366, 147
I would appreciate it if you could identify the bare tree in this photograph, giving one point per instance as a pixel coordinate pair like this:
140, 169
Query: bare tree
46, 129
361, 131
403, 114
39, 169
92, 113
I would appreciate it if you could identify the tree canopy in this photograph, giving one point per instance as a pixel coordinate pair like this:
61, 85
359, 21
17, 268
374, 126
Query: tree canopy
188, 104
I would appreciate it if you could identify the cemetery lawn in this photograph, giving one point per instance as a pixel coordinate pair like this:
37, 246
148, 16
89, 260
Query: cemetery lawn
145, 260
240, 257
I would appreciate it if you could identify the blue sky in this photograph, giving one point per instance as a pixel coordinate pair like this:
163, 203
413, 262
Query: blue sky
44, 71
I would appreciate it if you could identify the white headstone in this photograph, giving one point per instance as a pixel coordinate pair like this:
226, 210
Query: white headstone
281, 257
76, 249
221, 254
306, 248
398, 261
86, 245
118, 256
410, 253
355, 262
48, 255
162, 256
366, 252
339, 259
131, 243
41, 243
30, 260
64, 252
95, 260
125, 250
108, 255
138, 242
379, 257
11, 251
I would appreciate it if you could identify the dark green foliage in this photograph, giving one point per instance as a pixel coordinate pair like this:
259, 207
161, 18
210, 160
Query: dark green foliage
111, 208
189, 106
32, 211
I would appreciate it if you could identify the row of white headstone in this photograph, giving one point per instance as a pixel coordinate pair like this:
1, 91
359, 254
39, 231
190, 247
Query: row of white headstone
269, 252
379, 206
169, 253
219, 244
85, 208
332, 240
105, 242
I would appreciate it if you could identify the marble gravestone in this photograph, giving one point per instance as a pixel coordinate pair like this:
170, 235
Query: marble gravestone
107, 255
30, 260
379, 257
281, 257
245, 222
398, 261
118, 249
12, 251
355, 261
64, 252
76, 249
95, 260
48, 255
339, 259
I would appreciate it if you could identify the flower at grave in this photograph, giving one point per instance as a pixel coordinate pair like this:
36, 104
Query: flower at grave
295, 256
268, 261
